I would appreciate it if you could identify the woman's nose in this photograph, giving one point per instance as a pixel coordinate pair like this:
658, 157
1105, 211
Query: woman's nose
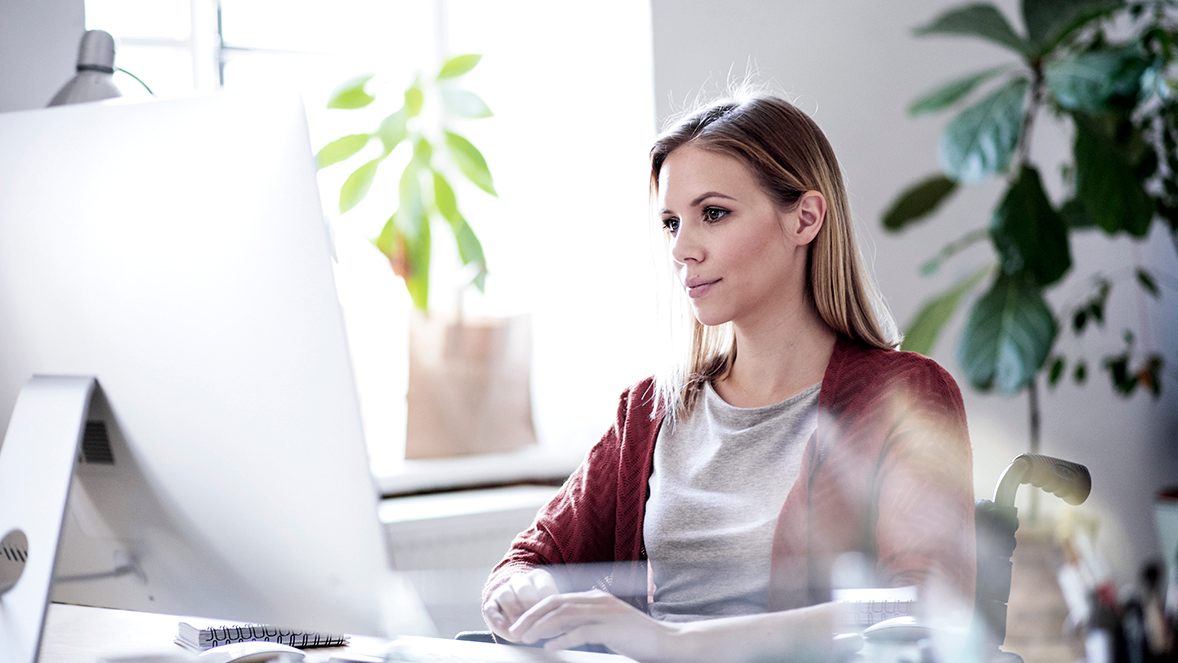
685, 247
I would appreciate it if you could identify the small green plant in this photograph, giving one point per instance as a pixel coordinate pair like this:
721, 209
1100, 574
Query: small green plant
424, 190
1119, 96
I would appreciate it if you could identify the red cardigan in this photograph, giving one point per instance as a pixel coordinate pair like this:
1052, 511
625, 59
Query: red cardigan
888, 473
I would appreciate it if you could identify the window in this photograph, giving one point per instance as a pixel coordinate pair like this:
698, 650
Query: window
568, 240
153, 40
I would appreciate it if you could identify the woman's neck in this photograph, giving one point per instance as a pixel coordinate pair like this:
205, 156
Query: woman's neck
777, 356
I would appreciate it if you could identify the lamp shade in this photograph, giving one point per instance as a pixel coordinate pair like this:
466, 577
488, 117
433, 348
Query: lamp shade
96, 67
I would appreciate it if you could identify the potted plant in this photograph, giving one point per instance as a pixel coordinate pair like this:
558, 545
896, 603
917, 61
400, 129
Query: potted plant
1117, 91
468, 379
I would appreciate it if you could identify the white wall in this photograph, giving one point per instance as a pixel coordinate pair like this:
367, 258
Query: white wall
855, 66
38, 50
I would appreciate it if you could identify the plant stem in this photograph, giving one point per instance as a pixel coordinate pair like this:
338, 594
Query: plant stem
1033, 397
952, 248
1023, 154
1024, 139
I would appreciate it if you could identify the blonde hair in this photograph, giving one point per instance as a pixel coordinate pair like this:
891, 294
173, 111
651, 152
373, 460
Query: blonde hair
789, 155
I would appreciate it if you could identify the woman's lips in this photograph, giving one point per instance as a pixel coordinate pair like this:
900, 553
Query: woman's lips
698, 289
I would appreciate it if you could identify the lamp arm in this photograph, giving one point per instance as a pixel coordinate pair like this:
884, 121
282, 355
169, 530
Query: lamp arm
137, 79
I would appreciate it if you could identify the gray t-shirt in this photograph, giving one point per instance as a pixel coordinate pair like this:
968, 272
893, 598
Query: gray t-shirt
720, 477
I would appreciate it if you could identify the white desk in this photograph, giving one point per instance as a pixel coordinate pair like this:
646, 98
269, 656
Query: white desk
75, 634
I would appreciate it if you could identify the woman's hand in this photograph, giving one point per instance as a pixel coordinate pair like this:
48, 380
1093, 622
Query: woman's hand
571, 620
514, 597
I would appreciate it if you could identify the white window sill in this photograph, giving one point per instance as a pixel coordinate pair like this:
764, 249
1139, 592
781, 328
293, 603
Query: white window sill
543, 463
518, 501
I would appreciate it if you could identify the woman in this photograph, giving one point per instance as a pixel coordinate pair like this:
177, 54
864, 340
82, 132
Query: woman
794, 433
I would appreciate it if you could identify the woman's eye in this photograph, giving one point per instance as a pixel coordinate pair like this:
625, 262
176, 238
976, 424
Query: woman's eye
671, 225
712, 214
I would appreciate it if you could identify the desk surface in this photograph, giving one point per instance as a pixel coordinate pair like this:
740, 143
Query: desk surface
76, 634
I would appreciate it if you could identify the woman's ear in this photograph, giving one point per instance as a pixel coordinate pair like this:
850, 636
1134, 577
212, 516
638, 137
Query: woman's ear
807, 217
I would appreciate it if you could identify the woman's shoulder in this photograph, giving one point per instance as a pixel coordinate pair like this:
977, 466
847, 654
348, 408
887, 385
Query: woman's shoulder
859, 367
635, 426
639, 396
643, 387
639, 407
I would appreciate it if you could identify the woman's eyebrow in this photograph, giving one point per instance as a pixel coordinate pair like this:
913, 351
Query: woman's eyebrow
711, 194
700, 198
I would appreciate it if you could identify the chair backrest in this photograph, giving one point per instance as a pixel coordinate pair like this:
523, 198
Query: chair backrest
996, 522
995, 525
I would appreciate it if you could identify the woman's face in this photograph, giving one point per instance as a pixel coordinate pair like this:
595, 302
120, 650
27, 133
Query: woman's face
739, 256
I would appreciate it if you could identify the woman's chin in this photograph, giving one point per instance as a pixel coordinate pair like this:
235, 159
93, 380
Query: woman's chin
709, 318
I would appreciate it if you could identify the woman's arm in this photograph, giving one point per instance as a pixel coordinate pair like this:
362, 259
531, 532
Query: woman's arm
555, 540
576, 528
925, 526
570, 620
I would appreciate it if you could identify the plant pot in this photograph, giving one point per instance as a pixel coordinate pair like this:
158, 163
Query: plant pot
469, 386
1036, 612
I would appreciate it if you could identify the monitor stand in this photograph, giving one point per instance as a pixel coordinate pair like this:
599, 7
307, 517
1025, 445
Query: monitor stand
36, 470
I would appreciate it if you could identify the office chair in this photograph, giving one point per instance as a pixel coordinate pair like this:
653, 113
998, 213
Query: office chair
996, 522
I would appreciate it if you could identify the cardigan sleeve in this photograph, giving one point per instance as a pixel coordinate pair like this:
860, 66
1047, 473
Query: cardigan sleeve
925, 520
578, 525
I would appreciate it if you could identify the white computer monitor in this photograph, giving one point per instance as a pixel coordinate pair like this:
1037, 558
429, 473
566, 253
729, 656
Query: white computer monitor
176, 251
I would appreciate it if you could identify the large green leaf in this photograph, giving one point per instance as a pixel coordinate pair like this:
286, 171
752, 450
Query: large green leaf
470, 161
1153, 81
357, 185
389, 241
979, 20
444, 198
922, 334
1096, 81
341, 149
412, 216
423, 151
918, 201
950, 92
410, 261
411, 221
981, 140
1050, 21
1076, 215
417, 280
393, 129
414, 100
1030, 236
458, 65
351, 94
1007, 337
470, 249
1105, 183
464, 103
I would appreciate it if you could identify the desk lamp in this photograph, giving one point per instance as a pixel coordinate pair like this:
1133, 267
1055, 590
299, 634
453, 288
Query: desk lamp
96, 68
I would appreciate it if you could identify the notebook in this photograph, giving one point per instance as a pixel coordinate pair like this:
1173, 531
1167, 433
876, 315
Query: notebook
205, 636
871, 606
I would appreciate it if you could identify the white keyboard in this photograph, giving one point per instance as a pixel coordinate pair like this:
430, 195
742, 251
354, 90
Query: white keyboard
436, 650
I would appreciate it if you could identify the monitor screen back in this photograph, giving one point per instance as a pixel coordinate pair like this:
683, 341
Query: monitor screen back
176, 250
